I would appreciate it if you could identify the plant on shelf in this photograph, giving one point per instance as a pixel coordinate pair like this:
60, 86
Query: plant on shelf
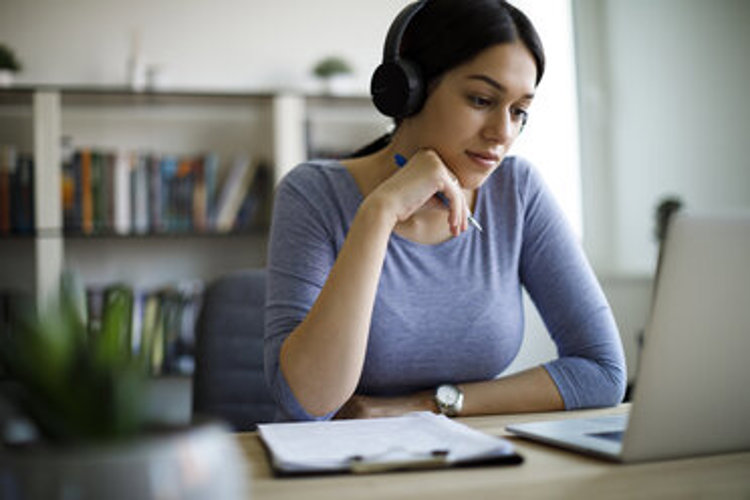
330, 70
9, 65
85, 396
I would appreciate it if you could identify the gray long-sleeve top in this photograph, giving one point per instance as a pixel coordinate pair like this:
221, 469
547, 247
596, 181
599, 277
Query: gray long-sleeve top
451, 312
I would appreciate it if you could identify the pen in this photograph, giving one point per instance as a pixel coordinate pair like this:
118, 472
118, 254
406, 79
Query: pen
401, 161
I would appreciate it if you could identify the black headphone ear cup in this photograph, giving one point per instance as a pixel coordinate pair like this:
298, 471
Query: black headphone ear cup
397, 89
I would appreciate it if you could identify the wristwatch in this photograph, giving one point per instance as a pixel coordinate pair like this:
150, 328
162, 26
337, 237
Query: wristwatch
449, 399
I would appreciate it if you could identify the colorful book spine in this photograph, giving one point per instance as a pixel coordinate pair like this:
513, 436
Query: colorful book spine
7, 171
155, 193
183, 202
199, 199
121, 188
115, 336
22, 186
87, 201
108, 181
210, 175
139, 189
138, 193
233, 192
168, 168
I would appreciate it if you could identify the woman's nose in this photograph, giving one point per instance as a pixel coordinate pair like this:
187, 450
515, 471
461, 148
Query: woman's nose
500, 127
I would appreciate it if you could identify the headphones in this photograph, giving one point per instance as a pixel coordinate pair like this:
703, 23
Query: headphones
396, 87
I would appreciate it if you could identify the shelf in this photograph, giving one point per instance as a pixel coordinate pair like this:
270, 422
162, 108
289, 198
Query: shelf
122, 97
259, 231
14, 96
279, 127
24, 94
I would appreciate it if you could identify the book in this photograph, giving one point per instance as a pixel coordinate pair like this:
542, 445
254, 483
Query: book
152, 333
183, 195
68, 193
139, 193
210, 173
109, 165
115, 334
130, 192
22, 197
87, 203
412, 441
73, 211
199, 198
233, 192
7, 171
153, 169
170, 194
122, 199
99, 189
255, 209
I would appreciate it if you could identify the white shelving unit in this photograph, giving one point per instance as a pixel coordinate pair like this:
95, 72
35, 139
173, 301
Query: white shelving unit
276, 127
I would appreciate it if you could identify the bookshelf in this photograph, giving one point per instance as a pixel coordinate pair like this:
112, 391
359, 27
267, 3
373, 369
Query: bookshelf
280, 128
53, 124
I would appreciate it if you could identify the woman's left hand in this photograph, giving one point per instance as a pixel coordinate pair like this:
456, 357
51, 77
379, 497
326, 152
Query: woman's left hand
360, 406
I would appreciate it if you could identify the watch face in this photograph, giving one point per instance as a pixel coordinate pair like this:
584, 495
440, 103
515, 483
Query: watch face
447, 394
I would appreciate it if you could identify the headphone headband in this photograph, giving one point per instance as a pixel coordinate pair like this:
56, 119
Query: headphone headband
392, 47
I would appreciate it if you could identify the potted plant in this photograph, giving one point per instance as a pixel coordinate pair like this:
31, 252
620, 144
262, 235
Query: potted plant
9, 65
84, 393
332, 71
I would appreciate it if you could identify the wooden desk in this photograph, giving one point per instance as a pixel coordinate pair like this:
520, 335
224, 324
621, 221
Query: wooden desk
547, 472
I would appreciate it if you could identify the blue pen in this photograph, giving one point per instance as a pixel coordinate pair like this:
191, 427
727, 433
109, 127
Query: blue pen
401, 161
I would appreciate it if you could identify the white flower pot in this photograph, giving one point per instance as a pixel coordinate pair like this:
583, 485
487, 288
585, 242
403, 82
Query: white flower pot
338, 85
6, 77
200, 462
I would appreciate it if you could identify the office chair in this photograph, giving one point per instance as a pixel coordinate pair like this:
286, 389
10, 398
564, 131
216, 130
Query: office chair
229, 382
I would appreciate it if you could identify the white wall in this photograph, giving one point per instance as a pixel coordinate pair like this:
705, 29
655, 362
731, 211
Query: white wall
663, 87
245, 44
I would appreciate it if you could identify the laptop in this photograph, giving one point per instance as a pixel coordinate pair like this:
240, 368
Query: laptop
692, 395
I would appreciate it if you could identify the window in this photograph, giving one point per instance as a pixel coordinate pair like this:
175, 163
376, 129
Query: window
550, 141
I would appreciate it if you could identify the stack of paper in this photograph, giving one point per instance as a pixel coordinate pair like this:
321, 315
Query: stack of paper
415, 440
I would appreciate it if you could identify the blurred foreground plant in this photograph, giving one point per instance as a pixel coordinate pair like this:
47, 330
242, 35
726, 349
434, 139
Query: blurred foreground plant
74, 384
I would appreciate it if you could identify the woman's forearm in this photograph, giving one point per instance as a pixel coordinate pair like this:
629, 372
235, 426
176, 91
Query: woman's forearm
529, 391
322, 358
532, 390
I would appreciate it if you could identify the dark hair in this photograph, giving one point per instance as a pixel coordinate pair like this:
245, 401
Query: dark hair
447, 33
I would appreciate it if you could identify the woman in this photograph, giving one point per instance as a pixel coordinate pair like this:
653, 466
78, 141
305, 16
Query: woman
382, 299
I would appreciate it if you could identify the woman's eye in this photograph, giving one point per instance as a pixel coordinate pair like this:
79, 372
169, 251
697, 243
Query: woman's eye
521, 115
479, 101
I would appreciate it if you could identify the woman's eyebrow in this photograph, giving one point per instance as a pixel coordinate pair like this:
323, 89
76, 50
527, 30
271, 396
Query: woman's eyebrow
499, 86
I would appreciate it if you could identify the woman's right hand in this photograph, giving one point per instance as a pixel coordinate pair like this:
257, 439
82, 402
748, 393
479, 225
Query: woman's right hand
413, 188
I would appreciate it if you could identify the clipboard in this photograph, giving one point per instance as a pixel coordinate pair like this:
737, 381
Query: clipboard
416, 441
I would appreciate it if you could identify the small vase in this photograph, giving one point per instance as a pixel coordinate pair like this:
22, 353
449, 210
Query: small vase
338, 85
6, 77
196, 463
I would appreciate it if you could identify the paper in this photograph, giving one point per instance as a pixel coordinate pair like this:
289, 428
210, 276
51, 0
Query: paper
413, 438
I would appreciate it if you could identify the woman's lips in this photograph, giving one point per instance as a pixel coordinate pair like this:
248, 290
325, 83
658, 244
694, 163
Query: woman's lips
486, 160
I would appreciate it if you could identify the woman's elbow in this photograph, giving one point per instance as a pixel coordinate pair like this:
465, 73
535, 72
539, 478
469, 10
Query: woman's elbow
615, 385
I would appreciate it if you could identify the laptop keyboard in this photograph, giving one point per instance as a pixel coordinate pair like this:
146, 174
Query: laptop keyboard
610, 436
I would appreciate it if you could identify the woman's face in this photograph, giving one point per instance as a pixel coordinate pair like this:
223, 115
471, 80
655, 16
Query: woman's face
477, 110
